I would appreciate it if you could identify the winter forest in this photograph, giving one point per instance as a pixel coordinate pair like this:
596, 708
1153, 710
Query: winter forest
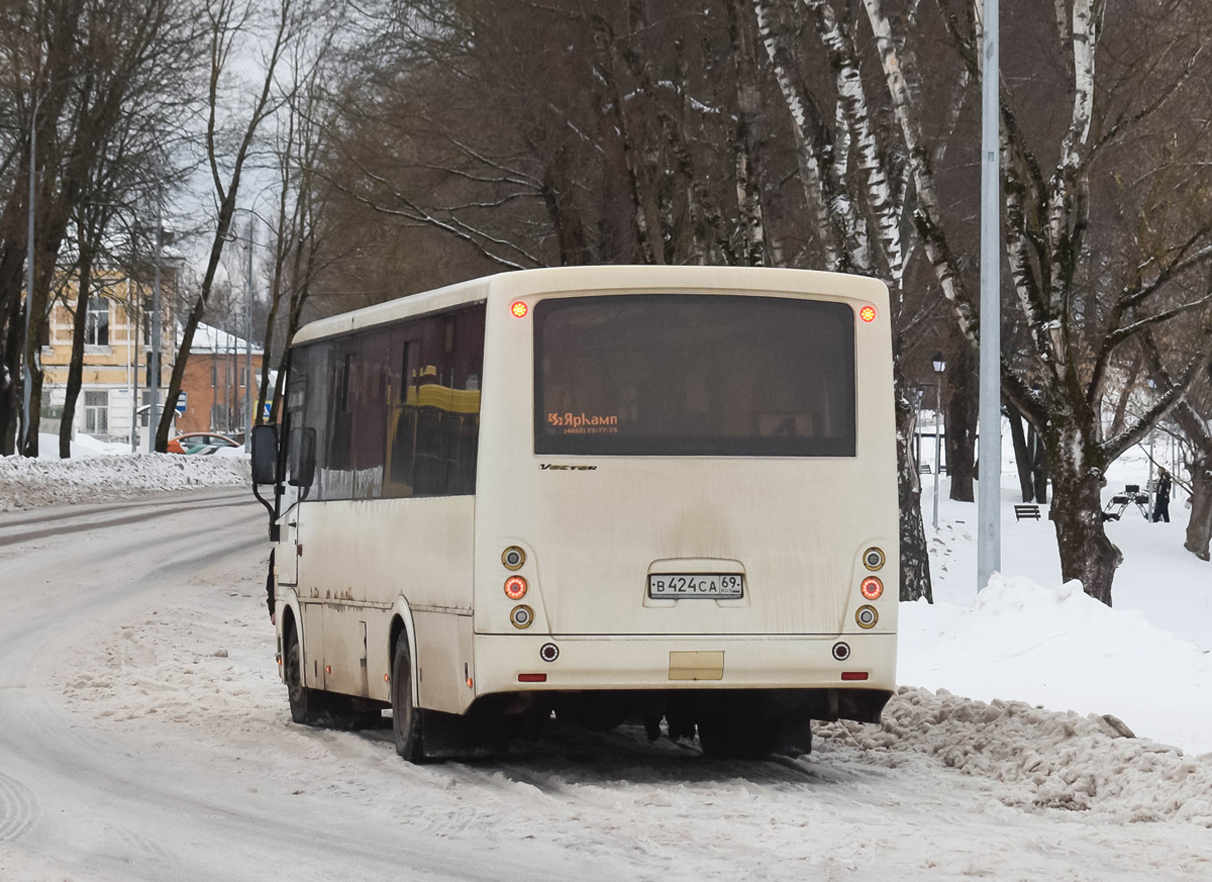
385, 148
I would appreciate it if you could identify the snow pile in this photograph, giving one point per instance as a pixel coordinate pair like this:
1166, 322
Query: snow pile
33, 483
1060, 648
1047, 759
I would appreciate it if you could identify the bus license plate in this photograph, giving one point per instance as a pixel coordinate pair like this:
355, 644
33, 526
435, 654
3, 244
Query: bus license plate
712, 586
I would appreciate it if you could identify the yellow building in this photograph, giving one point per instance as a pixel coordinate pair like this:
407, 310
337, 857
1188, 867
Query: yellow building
116, 349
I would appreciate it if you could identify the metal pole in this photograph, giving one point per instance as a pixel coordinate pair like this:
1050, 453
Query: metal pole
132, 363
989, 540
938, 403
153, 360
27, 376
248, 414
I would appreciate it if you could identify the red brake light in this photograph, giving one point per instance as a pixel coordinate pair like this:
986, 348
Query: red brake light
854, 675
515, 587
872, 588
532, 678
867, 313
519, 309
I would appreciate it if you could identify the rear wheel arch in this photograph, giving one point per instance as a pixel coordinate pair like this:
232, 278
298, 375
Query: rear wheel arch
403, 628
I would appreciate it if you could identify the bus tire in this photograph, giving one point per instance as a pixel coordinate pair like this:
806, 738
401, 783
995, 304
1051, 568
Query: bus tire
405, 716
306, 705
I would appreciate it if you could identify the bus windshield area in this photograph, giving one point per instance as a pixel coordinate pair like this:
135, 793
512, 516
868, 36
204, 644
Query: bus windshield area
694, 375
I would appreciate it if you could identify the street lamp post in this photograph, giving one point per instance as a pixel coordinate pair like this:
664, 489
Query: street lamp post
939, 367
27, 373
989, 527
248, 407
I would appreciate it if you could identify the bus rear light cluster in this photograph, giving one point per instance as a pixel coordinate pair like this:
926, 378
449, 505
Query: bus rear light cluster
521, 616
867, 313
516, 587
872, 588
519, 309
866, 617
873, 559
513, 558
549, 652
841, 651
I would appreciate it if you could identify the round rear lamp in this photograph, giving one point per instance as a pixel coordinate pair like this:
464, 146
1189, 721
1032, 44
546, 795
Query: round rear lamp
513, 558
872, 588
873, 558
519, 309
841, 651
549, 652
867, 313
515, 587
521, 616
866, 617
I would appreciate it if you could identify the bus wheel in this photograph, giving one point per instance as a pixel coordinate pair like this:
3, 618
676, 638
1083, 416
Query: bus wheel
305, 704
405, 718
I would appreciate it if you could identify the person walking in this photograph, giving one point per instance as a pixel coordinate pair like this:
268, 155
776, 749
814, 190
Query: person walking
1161, 504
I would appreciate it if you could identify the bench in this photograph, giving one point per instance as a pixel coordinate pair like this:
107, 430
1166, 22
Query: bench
1031, 512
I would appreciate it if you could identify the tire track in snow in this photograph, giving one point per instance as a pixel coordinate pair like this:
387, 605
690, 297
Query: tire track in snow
18, 808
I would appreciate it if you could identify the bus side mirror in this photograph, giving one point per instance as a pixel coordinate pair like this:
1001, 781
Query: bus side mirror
302, 457
265, 455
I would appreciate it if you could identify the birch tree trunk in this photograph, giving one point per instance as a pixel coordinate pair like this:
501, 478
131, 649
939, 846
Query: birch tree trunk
1078, 470
1199, 528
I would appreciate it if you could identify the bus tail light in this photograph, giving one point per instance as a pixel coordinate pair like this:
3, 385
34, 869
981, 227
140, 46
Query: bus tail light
516, 587
519, 309
872, 588
532, 678
867, 313
866, 617
873, 558
513, 557
841, 651
854, 675
549, 652
521, 616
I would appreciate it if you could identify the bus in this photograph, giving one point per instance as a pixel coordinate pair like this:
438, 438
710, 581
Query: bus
609, 493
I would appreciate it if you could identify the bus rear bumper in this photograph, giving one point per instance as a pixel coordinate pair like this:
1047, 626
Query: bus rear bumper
513, 663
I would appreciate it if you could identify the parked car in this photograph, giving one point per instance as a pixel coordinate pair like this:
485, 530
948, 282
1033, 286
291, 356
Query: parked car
201, 443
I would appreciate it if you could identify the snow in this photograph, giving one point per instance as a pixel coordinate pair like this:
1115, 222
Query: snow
33, 483
1009, 753
1029, 637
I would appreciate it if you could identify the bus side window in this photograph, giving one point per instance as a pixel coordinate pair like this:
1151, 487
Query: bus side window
402, 419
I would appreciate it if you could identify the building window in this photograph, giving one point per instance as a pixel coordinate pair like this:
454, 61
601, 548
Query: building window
96, 413
96, 323
214, 374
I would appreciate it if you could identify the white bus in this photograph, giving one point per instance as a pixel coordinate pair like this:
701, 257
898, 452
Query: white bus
650, 493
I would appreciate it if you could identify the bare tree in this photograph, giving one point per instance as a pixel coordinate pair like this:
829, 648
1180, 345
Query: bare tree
232, 23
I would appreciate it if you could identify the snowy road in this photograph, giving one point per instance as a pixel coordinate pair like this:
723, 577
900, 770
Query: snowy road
144, 735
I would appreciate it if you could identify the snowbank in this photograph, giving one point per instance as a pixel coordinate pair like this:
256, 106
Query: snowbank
33, 483
1044, 759
1060, 648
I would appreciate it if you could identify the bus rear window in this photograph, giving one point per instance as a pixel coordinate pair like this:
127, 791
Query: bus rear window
694, 375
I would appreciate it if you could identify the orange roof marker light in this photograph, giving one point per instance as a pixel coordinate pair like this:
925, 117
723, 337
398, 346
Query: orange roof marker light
519, 309
867, 313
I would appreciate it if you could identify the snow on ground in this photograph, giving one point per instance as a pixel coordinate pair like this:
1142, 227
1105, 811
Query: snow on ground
1147, 661
34, 483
